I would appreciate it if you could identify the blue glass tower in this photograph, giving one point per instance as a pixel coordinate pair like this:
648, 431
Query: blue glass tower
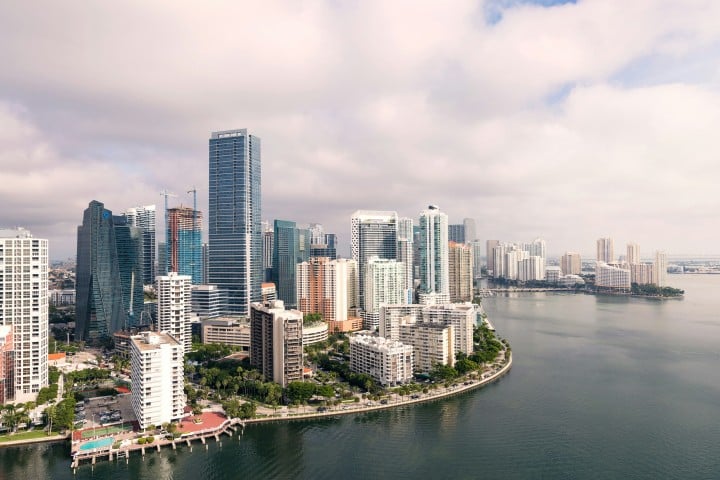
234, 223
286, 253
130, 258
185, 243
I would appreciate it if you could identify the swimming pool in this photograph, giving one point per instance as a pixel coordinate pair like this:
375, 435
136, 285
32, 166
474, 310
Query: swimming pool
99, 443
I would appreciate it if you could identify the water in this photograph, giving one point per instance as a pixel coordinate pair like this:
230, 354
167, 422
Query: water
601, 387
99, 443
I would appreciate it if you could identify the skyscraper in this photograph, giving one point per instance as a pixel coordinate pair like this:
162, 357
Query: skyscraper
470, 230
605, 250
185, 237
144, 218
24, 308
660, 269
372, 233
267, 251
434, 251
405, 254
234, 228
460, 266
276, 346
384, 284
633, 253
490, 257
456, 233
99, 308
174, 296
570, 263
129, 249
285, 260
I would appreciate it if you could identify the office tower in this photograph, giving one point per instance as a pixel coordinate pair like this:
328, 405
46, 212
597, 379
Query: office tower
24, 308
456, 233
285, 259
276, 342
162, 259
184, 233
328, 247
570, 263
537, 248
476, 246
660, 269
387, 361
204, 263
605, 250
460, 272
372, 234
7, 364
470, 230
130, 250
303, 247
434, 251
490, 256
156, 371
99, 309
317, 233
174, 297
268, 243
384, 284
144, 218
633, 253
234, 230
405, 254
611, 277
208, 301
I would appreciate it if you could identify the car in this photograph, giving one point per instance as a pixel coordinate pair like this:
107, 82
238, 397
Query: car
322, 409
415, 396
384, 401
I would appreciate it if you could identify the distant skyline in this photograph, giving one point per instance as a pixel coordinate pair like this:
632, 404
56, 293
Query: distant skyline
568, 121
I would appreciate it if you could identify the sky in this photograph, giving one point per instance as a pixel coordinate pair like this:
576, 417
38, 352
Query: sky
563, 120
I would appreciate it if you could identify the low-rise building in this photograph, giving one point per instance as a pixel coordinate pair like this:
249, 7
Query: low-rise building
233, 331
315, 333
388, 362
156, 371
612, 277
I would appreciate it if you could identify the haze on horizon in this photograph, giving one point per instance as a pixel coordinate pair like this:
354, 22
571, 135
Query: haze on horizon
554, 119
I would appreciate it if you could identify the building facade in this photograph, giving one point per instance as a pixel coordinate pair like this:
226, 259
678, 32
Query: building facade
234, 223
460, 272
129, 251
384, 284
660, 269
612, 277
276, 342
174, 299
570, 263
7, 364
286, 256
387, 361
405, 248
227, 331
633, 254
605, 250
432, 344
434, 275
144, 218
184, 243
156, 371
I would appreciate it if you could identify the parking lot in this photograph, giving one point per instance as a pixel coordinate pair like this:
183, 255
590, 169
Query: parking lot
98, 412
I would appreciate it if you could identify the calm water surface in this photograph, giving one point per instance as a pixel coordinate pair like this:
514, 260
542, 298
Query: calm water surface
601, 387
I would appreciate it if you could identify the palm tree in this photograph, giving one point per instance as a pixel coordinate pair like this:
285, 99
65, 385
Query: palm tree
10, 416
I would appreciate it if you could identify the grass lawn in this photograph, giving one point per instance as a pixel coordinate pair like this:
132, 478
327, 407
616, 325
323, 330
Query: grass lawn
24, 436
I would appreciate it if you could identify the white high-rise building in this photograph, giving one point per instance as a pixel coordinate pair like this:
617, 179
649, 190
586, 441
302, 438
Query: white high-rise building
385, 282
660, 269
432, 344
476, 246
387, 361
372, 234
405, 254
633, 253
434, 251
24, 307
531, 267
174, 299
570, 263
612, 277
156, 371
605, 250
462, 316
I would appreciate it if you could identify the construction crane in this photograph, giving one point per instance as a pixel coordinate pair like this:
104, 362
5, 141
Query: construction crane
167, 194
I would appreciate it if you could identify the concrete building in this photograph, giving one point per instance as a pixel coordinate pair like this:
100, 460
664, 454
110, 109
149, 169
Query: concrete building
633, 254
570, 263
460, 272
612, 277
174, 296
276, 342
384, 284
660, 269
405, 238
432, 344
605, 250
372, 234
156, 371
393, 316
641, 273
233, 331
234, 228
315, 333
387, 361
434, 275
490, 256
553, 274
24, 307
470, 230
269, 292
7, 364
476, 246
208, 301
530, 268
62, 297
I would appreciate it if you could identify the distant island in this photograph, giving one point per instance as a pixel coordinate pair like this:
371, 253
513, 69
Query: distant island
589, 287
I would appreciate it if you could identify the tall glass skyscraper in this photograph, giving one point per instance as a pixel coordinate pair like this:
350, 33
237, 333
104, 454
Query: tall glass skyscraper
144, 218
286, 253
185, 248
373, 233
234, 227
434, 251
130, 251
99, 308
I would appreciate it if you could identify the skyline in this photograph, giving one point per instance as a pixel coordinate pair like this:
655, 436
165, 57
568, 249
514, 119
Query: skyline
535, 120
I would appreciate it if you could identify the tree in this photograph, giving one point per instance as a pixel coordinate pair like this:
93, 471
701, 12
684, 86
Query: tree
441, 372
300, 392
465, 365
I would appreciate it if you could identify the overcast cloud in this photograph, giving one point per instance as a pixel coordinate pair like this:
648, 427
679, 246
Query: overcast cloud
569, 121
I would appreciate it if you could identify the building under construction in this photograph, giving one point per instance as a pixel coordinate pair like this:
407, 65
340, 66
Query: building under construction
185, 242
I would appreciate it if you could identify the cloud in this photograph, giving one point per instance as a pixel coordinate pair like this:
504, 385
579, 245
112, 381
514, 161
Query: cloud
570, 121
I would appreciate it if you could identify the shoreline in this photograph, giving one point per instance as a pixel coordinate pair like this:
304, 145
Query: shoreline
27, 441
230, 425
